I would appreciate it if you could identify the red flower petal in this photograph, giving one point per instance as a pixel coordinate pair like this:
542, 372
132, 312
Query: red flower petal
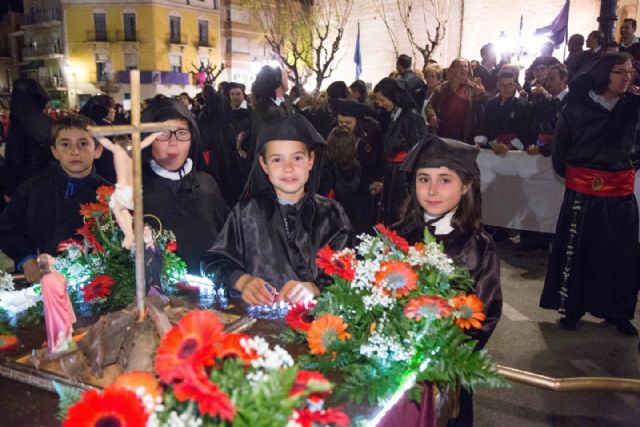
393, 238
299, 317
111, 407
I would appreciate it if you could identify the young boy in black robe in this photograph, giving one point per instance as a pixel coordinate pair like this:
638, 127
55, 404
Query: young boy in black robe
186, 200
44, 210
269, 243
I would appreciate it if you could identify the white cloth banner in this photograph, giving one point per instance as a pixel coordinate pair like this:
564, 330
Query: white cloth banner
521, 191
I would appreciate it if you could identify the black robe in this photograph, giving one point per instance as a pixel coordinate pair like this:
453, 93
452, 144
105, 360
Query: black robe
401, 135
254, 240
476, 251
511, 117
595, 258
192, 208
44, 211
545, 117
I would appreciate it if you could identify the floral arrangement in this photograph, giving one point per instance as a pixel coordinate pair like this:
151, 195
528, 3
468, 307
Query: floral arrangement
209, 378
396, 314
100, 261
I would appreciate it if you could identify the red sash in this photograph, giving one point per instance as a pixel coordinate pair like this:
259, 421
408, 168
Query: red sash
398, 157
600, 183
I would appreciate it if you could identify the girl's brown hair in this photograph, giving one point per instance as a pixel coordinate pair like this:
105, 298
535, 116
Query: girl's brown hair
342, 148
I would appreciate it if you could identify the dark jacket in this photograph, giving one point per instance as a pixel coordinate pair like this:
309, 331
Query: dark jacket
403, 132
416, 87
588, 135
28, 143
476, 98
511, 117
44, 211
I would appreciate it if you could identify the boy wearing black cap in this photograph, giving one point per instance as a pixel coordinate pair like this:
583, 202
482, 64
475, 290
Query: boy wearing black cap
271, 238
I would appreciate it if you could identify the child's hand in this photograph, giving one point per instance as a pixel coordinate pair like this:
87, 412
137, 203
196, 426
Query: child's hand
254, 290
294, 292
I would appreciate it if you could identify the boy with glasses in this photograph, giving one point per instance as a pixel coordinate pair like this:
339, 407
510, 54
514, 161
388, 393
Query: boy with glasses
44, 210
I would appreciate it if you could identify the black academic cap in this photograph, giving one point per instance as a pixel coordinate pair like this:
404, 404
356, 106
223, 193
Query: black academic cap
435, 152
349, 108
291, 128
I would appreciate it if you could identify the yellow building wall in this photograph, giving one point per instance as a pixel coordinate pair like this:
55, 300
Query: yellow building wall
152, 27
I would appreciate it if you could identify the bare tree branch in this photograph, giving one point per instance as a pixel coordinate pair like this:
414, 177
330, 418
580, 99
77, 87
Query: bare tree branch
382, 14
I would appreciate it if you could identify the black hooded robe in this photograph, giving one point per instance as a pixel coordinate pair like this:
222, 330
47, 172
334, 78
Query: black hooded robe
595, 260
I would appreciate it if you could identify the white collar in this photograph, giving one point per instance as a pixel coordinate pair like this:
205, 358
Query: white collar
600, 100
395, 114
443, 225
597, 49
562, 94
242, 106
278, 101
174, 176
634, 40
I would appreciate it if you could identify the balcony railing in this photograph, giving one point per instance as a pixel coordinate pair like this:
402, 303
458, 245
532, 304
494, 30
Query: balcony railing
43, 16
181, 39
44, 49
126, 36
99, 37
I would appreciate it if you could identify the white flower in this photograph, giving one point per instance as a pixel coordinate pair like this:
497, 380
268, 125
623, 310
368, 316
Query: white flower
432, 256
186, 419
386, 349
268, 359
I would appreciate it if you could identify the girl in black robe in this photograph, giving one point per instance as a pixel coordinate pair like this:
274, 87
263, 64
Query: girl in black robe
405, 129
269, 243
187, 201
593, 266
459, 229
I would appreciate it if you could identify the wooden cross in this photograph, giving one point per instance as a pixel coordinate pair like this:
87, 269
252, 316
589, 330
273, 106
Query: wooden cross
135, 129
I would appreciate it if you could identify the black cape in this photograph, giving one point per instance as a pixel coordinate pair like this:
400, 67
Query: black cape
193, 208
590, 268
254, 240
44, 211
476, 251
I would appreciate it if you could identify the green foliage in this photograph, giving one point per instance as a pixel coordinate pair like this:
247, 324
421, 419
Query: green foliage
290, 336
69, 396
33, 316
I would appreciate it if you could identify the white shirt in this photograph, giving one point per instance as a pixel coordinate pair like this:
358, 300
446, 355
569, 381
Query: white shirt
562, 94
174, 176
443, 225
634, 40
600, 100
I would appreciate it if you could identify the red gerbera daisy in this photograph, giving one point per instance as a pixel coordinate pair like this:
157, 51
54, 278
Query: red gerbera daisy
429, 307
211, 400
299, 317
340, 263
315, 382
65, 245
469, 311
104, 193
398, 276
193, 342
112, 407
393, 238
7, 342
93, 210
231, 347
171, 246
89, 237
98, 288
308, 418
135, 380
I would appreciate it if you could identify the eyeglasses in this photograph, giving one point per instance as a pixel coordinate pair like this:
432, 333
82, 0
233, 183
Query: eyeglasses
181, 135
624, 72
68, 146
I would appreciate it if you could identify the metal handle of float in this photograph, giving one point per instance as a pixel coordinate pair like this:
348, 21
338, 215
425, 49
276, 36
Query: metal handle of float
612, 384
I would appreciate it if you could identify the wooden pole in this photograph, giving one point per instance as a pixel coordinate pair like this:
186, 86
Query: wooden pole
138, 223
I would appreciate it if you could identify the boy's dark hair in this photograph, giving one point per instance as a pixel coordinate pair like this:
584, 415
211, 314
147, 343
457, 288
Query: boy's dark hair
562, 70
404, 61
341, 148
507, 75
468, 215
484, 50
359, 86
601, 68
70, 121
634, 24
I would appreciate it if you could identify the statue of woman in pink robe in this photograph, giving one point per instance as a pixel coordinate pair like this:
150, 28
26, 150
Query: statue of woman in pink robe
58, 311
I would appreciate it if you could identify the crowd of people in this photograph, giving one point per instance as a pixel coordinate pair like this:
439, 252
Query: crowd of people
253, 185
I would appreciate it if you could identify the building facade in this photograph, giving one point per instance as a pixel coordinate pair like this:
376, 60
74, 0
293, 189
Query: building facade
165, 39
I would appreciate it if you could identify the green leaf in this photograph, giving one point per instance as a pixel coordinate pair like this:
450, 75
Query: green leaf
69, 396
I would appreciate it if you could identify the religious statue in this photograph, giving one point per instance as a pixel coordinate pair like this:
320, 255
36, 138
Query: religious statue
58, 311
153, 262
121, 202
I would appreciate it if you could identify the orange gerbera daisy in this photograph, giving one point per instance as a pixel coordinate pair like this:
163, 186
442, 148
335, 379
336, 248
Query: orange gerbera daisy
429, 307
192, 343
7, 342
93, 210
469, 311
232, 348
324, 331
104, 192
211, 400
132, 381
112, 407
299, 317
393, 238
398, 276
